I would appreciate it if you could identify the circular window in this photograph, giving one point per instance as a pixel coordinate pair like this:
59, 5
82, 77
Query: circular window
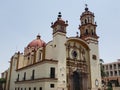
74, 54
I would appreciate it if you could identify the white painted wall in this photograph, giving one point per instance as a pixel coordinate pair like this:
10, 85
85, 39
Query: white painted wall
13, 72
59, 53
42, 70
94, 65
49, 50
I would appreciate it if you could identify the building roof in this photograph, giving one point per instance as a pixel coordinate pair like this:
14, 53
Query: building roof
37, 42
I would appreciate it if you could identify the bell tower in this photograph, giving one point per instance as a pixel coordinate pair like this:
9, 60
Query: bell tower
59, 50
59, 26
88, 26
89, 35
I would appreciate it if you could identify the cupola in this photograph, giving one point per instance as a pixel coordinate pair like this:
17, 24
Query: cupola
88, 26
59, 25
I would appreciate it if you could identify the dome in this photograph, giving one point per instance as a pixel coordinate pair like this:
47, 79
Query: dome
37, 42
87, 12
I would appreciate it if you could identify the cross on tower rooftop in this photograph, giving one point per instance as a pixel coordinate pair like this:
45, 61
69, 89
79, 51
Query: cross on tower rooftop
86, 7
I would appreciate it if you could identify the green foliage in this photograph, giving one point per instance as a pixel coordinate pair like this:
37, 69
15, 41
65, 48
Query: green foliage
2, 80
101, 61
109, 88
103, 74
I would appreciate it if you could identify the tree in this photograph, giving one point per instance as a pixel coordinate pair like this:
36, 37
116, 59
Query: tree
2, 80
103, 74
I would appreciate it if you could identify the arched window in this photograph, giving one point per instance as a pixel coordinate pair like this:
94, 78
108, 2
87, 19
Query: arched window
29, 88
92, 32
81, 22
24, 78
33, 75
88, 20
85, 21
18, 77
40, 55
86, 32
28, 58
40, 88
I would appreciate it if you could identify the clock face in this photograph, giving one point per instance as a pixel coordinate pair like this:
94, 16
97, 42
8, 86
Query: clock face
74, 54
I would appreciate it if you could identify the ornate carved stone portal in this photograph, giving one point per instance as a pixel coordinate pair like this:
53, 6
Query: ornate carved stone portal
78, 77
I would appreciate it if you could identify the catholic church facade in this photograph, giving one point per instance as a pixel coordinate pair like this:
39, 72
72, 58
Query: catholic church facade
64, 63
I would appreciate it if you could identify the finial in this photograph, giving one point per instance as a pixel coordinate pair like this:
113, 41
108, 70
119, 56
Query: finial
95, 23
59, 15
86, 7
66, 21
77, 34
51, 23
38, 36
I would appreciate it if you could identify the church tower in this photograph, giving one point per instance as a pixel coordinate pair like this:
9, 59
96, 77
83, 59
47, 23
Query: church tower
88, 34
88, 27
59, 50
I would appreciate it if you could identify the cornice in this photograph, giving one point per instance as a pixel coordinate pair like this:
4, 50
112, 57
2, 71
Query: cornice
37, 63
37, 80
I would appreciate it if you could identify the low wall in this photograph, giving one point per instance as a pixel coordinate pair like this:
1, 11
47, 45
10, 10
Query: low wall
116, 88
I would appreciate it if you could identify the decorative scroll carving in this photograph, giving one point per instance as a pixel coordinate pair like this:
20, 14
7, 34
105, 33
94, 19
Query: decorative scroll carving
78, 49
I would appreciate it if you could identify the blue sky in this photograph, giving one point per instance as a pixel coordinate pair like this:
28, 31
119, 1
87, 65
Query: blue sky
22, 20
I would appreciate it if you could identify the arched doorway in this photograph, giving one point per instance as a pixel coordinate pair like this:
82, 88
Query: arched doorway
78, 81
78, 71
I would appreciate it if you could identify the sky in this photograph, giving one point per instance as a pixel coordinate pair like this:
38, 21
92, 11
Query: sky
22, 20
